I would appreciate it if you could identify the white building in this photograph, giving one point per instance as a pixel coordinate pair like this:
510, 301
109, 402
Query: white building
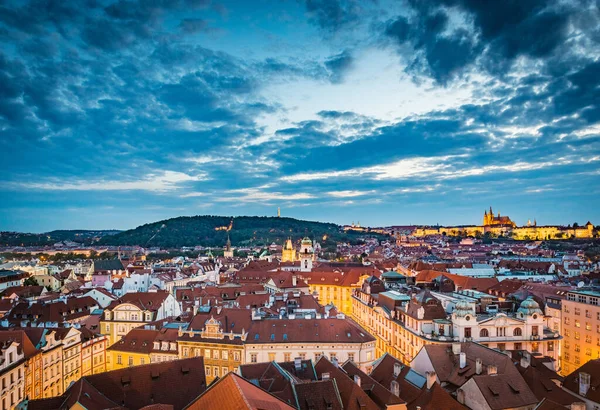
524, 331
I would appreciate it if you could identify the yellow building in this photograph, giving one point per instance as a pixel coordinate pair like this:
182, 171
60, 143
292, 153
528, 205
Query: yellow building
12, 372
143, 346
336, 286
93, 353
503, 226
52, 359
133, 310
71, 354
288, 253
581, 329
208, 336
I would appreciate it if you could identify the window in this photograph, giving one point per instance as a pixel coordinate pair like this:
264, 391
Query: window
119, 360
467, 332
518, 346
287, 357
216, 371
236, 356
501, 346
588, 313
534, 330
577, 349
225, 355
594, 301
302, 356
271, 357
215, 354
484, 333
588, 352
588, 339
130, 360
518, 332
186, 352
142, 360
317, 357
224, 370
577, 324
207, 353
351, 357
207, 370
577, 311
369, 356
550, 346
588, 326
567, 320
576, 335
253, 357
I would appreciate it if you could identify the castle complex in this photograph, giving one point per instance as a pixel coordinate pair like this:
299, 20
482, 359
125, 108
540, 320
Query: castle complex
497, 225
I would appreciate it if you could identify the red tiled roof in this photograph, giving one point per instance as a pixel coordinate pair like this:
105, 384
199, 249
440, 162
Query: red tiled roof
233, 392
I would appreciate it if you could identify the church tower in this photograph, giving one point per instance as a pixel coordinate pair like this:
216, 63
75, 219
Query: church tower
228, 251
288, 253
306, 255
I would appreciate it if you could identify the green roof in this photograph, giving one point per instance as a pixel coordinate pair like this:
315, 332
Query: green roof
395, 295
392, 274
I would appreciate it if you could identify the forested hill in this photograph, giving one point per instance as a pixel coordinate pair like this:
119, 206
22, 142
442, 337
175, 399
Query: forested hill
212, 231
85, 237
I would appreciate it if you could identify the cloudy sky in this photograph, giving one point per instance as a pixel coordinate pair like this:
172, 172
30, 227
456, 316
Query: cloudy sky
118, 113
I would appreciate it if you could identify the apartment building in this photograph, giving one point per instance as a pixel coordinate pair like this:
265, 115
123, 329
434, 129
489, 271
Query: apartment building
12, 370
581, 328
134, 310
404, 324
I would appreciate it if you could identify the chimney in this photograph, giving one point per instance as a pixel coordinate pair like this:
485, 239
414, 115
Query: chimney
584, 383
455, 348
463, 360
492, 370
294, 280
579, 405
325, 376
397, 369
334, 361
478, 365
298, 363
525, 360
431, 376
357, 379
395, 388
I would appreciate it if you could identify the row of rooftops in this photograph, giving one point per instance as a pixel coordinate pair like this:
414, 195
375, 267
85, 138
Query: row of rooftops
444, 377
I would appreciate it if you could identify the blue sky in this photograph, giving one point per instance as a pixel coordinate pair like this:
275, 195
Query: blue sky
118, 113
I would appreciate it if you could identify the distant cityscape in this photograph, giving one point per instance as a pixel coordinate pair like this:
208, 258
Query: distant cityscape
401, 318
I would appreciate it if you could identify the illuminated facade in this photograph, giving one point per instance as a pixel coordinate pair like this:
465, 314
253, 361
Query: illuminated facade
503, 226
403, 325
581, 329
288, 254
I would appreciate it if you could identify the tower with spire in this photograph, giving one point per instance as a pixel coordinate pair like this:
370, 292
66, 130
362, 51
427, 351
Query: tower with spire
228, 253
288, 253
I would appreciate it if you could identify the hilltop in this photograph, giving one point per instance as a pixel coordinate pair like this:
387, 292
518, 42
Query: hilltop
208, 230
85, 237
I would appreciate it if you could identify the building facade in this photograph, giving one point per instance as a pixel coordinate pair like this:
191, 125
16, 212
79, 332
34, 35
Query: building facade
581, 329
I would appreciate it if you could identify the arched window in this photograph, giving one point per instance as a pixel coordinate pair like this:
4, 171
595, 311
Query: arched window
484, 333
518, 332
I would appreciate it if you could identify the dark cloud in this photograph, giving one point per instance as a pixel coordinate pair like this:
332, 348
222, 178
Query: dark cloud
331, 15
498, 33
338, 65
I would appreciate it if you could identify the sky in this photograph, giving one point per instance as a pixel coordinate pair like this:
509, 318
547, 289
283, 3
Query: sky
118, 113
